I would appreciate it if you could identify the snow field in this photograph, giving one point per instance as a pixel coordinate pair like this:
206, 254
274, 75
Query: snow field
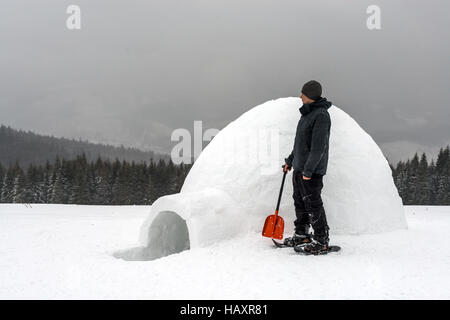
67, 252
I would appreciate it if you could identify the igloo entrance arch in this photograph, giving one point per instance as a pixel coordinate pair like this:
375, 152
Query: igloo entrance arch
167, 234
221, 199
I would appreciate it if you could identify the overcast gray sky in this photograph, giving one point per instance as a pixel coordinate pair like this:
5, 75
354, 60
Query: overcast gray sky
139, 69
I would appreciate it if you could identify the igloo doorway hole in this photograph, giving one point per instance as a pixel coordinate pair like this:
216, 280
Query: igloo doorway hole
168, 234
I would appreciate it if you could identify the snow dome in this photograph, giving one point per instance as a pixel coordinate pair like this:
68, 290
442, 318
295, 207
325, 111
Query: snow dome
233, 185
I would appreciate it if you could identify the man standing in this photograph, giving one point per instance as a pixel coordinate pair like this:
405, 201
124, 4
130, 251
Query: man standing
309, 159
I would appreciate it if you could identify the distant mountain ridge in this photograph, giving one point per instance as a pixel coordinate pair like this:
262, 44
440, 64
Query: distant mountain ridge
27, 147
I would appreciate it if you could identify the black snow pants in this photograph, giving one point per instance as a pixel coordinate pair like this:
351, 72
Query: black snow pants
309, 206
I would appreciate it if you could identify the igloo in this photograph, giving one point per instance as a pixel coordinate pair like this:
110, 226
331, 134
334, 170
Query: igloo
233, 185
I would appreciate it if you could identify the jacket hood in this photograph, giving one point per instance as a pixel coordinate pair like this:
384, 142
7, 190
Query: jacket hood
319, 103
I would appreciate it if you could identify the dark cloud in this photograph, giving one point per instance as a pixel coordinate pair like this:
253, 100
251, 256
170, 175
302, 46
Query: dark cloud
139, 69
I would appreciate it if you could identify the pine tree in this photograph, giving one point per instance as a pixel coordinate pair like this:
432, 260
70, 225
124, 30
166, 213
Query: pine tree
2, 178
422, 195
47, 186
60, 183
19, 184
442, 173
433, 183
400, 180
30, 191
8, 184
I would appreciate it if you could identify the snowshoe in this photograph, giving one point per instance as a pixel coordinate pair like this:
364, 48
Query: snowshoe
316, 248
295, 240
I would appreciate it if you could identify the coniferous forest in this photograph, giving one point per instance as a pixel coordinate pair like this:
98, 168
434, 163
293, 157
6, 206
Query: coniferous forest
99, 182
105, 182
422, 183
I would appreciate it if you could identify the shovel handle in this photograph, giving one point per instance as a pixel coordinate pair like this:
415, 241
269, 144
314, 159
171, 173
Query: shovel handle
281, 192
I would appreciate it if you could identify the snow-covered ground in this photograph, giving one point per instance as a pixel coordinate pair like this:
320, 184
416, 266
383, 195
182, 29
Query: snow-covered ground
67, 252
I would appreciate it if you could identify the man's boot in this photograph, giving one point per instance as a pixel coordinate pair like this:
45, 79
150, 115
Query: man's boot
319, 243
315, 247
297, 240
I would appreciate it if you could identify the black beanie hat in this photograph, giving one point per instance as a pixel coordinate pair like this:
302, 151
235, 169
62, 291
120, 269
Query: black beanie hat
312, 89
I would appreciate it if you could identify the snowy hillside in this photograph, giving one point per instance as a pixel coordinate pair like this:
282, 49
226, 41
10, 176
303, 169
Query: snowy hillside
59, 252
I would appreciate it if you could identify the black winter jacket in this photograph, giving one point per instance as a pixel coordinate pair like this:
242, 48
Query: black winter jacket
310, 153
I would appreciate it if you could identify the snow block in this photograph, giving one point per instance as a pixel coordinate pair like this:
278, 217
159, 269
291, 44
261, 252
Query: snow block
233, 185
210, 215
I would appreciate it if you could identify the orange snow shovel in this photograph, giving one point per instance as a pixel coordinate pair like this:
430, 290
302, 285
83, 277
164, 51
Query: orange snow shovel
274, 225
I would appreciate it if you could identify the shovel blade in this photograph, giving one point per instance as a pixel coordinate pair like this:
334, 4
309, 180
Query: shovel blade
273, 227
